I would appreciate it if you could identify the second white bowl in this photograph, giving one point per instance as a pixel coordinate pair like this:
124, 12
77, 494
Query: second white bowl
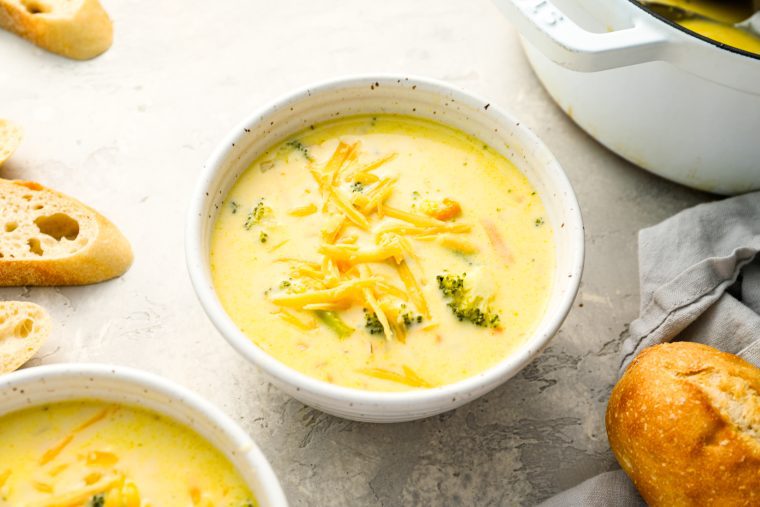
116, 384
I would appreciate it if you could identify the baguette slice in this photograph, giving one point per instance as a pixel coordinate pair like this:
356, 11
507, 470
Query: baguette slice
24, 327
78, 29
47, 238
684, 424
10, 138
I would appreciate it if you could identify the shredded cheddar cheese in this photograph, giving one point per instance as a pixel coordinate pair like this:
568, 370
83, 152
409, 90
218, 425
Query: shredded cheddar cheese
374, 210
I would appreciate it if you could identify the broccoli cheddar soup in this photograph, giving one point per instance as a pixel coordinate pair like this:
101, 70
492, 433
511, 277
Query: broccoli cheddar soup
383, 252
95, 454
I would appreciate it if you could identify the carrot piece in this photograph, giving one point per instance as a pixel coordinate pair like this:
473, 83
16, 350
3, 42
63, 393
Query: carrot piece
446, 210
497, 242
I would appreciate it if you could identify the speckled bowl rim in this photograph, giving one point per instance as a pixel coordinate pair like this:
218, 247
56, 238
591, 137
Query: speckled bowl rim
13, 385
443, 396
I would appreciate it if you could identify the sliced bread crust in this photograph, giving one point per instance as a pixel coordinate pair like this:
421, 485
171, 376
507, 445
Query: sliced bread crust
10, 138
78, 29
48, 238
24, 327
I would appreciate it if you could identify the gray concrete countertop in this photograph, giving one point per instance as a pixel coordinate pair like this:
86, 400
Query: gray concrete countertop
128, 133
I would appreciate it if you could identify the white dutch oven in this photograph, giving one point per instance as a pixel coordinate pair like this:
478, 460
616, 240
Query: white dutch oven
674, 103
65, 382
371, 95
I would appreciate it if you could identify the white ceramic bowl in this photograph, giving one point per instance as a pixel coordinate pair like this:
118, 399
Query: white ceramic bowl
62, 382
387, 94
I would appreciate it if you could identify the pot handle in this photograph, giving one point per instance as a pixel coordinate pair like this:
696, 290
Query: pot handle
566, 43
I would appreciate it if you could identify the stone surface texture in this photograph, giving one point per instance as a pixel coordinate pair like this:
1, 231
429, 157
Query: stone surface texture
128, 133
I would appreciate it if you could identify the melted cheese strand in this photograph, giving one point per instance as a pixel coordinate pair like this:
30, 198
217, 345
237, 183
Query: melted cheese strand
302, 211
413, 218
381, 317
344, 291
372, 302
92, 420
343, 203
291, 318
368, 168
378, 195
54, 451
409, 377
417, 297
356, 255
80, 496
343, 153
4, 477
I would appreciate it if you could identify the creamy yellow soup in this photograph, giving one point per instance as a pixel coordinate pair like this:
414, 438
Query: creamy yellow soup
94, 454
384, 253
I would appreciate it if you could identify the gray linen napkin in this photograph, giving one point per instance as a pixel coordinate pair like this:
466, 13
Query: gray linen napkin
699, 274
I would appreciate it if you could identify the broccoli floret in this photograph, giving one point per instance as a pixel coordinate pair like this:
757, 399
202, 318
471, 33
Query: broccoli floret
451, 285
257, 214
475, 315
97, 501
298, 146
372, 323
408, 318
464, 303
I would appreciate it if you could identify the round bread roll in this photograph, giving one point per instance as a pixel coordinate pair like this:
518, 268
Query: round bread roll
684, 424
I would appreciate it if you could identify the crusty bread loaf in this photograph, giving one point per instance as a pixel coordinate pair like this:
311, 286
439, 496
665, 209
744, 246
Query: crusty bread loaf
47, 238
24, 327
79, 29
10, 138
684, 423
